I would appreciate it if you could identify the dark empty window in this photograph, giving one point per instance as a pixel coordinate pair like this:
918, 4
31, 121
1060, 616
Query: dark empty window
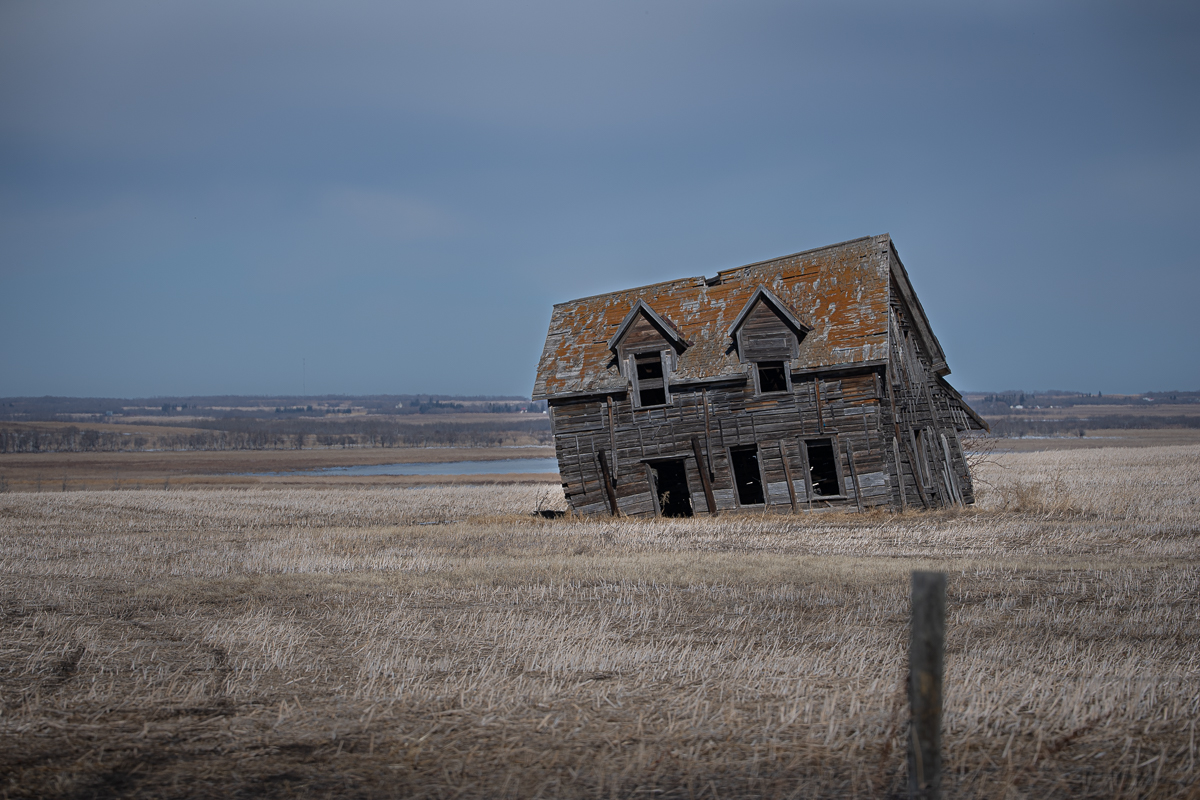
652, 390
822, 466
653, 397
771, 377
670, 484
746, 476
649, 367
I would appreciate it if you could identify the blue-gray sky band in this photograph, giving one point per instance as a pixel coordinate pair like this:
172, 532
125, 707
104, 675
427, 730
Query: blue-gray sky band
201, 198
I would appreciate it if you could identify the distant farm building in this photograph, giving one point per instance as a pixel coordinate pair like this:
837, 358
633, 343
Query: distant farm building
809, 381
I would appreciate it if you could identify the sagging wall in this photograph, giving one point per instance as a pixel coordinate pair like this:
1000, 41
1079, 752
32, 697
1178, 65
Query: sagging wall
925, 422
846, 408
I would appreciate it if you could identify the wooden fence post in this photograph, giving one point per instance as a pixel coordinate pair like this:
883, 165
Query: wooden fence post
926, 658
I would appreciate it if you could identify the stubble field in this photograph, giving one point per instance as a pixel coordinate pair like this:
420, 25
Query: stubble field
445, 642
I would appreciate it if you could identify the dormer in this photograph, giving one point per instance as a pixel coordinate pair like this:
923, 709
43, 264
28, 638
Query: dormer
767, 334
646, 346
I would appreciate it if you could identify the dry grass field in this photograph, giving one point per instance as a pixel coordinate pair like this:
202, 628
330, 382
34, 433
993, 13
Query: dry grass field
443, 642
1104, 438
1142, 409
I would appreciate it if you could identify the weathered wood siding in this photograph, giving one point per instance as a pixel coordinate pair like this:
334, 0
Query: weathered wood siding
924, 412
766, 337
850, 413
866, 372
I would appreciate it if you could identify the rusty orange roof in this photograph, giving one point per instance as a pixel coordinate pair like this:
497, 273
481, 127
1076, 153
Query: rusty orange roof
841, 292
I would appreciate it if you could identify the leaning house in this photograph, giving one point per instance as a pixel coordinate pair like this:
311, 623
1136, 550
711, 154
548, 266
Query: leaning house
806, 382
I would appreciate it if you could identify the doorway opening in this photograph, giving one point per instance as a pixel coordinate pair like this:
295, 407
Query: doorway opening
670, 485
746, 475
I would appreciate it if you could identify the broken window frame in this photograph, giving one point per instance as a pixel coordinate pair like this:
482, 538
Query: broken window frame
786, 366
666, 359
834, 443
762, 478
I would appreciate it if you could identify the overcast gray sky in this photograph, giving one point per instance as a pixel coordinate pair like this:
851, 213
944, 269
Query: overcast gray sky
201, 197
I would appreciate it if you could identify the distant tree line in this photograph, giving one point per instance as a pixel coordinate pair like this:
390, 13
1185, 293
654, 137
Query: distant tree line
29, 409
67, 440
1016, 427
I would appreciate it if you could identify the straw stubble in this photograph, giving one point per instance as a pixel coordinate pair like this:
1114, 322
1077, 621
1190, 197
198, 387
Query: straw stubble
444, 642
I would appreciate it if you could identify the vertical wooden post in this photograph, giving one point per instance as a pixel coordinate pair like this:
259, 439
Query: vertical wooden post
704, 481
926, 660
608, 486
892, 402
653, 490
929, 446
854, 477
804, 465
820, 416
612, 439
899, 473
950, 473
787, 475
708, 437
916, 469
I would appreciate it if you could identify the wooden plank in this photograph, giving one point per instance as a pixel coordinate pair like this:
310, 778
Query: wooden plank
593, 509
808, 487
817, 392
608, 486
708, 440
787, 474
872, 480
637, 504
724, 498
704, 477
899, 473
950, 472
854, 476
612, 439
653, 489
912, 460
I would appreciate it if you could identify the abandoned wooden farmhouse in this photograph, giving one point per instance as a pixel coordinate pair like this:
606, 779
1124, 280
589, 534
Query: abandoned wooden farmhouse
805, 382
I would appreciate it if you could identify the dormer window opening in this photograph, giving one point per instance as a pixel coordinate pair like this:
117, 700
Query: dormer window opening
772, 376
767, 335
651, 381
647, 345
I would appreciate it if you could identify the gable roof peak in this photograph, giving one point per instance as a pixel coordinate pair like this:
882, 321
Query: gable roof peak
667, 328
765, 295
